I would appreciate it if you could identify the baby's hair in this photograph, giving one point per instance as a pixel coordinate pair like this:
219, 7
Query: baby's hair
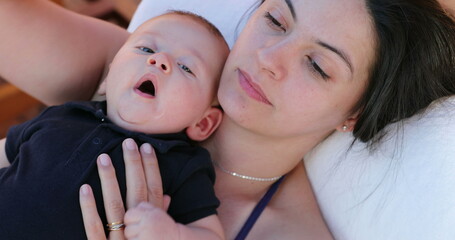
206, 23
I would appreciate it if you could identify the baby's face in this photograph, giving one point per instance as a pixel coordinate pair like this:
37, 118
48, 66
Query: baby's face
165, 76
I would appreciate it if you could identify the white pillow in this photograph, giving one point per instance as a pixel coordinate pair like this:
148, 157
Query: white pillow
224, 14
403, 190
402, 194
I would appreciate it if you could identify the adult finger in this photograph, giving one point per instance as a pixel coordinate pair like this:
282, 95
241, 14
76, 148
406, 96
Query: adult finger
92, 222
113, 202
166, 202
152, 175
135, 179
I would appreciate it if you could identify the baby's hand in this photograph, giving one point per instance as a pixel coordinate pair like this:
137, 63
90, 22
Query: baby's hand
149, 222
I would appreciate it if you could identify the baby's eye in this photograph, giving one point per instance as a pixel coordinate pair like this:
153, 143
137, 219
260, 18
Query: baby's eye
185, 68
146, 49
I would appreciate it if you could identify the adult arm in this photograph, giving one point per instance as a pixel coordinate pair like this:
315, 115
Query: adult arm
54, 54
3, 159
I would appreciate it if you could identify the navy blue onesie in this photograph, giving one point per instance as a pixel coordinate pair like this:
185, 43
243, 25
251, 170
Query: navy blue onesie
52, 155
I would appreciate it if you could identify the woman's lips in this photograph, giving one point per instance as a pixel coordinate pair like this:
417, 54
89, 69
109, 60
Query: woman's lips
146, 86
252, 89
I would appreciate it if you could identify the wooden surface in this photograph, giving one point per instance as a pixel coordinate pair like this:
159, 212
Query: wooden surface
15, 107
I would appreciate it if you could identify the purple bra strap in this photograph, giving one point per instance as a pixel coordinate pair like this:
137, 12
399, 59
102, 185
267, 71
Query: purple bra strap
258, 210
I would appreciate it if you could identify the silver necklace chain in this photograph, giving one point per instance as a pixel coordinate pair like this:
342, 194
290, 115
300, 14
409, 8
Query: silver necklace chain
270, 179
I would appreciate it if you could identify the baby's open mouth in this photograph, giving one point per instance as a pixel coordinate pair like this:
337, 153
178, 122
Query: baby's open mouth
147, 87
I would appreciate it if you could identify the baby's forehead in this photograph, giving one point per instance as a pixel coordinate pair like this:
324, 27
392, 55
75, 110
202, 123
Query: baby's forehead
190, 19
173, 19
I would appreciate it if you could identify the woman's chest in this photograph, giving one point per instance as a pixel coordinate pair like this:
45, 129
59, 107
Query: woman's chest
292, 222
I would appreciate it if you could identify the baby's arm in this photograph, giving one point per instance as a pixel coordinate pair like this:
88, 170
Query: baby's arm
148, 222
3, 159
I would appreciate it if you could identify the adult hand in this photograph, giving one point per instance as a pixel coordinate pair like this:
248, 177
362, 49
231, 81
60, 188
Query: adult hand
143, 178
143, 184
113, 203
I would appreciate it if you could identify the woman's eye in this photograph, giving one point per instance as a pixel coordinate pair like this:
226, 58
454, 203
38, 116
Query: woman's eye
185, 68
272, 21
316, 69
146, 49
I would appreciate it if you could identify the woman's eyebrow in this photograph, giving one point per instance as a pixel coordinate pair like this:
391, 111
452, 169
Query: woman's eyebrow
291, 8
339, 52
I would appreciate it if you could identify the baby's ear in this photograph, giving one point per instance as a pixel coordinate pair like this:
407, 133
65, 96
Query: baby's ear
206, 125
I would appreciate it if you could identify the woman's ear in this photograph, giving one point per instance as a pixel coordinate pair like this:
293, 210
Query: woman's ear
206, 125
349, 124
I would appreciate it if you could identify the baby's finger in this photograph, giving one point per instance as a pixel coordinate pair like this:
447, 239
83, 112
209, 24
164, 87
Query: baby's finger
134, 215
152, 175
133, 218
113, 202
135, 178
92, 222
132, 231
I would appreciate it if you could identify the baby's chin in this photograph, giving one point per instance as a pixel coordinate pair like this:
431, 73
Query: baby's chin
146, 126
126, 120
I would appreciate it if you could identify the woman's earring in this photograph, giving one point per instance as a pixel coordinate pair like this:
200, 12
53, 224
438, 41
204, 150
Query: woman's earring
344, 128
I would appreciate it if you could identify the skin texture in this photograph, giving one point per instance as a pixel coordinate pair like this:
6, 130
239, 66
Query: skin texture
293, 212
185, 76
62, 76
266, 140
255, 139
449, 5
244, 143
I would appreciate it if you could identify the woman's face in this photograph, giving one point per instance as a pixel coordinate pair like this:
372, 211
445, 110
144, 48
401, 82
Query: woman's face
299, 67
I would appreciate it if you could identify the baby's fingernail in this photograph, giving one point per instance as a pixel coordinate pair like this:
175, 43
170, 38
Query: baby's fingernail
84, 189
147, 148
104, 160
130, 144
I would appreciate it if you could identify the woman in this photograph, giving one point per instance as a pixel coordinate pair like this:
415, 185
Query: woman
317, 70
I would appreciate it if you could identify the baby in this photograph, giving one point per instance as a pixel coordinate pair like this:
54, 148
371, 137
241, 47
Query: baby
160, 89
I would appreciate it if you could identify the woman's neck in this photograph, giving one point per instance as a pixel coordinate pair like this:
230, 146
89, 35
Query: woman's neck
236, 149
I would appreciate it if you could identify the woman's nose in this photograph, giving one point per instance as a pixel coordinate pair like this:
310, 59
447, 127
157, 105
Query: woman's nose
273, 60
161, 61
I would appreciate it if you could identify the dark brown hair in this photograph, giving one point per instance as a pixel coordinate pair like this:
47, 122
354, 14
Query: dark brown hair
415, 63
